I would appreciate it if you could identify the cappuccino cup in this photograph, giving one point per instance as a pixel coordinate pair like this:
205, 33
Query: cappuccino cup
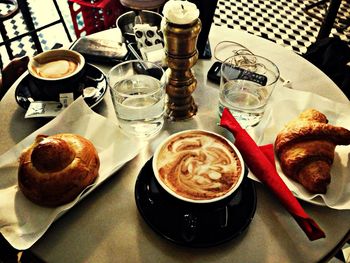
198, 166
56, 71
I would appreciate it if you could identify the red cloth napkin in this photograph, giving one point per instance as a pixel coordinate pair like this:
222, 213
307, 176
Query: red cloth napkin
264, 169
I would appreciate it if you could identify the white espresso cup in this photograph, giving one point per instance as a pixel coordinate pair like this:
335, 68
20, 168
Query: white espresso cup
198, 166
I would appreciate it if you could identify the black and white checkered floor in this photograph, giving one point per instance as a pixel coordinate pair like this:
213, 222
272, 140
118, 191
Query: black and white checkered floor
282, 21
43, 13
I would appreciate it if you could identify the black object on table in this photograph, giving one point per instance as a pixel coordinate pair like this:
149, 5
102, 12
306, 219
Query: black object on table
206, 15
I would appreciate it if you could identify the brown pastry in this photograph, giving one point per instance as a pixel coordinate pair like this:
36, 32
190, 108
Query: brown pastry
55, 169
305, 149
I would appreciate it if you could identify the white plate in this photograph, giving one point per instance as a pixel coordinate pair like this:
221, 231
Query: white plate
287, 104
23, 222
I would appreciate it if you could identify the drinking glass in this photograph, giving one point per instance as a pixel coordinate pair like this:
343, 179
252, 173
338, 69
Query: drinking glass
246, 84
138, 95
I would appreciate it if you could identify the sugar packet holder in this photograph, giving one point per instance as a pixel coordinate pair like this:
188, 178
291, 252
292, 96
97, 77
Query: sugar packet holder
150, 43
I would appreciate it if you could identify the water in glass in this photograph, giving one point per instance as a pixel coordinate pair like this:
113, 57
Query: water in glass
140, 104
245, 100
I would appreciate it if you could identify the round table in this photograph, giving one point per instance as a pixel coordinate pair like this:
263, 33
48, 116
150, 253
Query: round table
107, 227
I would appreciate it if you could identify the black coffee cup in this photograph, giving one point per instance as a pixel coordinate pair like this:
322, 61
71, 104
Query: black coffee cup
55, 72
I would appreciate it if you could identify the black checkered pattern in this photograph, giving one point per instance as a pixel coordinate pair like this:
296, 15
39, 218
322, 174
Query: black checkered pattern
43, 12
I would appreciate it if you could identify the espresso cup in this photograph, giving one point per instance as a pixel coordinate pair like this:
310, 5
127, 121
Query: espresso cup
198, 167
55, 72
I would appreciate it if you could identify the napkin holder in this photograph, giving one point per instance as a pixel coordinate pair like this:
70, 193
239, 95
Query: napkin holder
100, 50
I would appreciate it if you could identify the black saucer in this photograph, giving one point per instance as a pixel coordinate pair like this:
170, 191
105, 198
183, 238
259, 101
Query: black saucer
200, 225
93, 77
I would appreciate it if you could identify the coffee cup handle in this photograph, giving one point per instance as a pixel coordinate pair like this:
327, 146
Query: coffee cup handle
189, 227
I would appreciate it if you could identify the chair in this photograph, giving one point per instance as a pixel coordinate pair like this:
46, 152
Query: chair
328, 21
22, 6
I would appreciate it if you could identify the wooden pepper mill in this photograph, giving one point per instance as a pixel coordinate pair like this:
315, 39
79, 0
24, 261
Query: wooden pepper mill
181, 55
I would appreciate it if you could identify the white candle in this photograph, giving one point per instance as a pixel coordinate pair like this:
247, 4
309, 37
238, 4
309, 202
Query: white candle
180, 12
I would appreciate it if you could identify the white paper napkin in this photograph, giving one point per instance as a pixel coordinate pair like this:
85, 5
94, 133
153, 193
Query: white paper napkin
22, 222
285, 105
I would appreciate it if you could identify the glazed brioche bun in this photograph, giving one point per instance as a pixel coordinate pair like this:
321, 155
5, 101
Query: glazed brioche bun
55, 169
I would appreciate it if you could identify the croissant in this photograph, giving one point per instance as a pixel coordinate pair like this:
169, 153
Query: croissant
55, 169
305, 149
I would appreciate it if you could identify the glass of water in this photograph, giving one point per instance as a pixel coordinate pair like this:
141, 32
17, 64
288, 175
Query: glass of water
138, 94
247, 82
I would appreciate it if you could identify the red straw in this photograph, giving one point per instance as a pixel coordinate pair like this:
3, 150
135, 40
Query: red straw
266, 172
